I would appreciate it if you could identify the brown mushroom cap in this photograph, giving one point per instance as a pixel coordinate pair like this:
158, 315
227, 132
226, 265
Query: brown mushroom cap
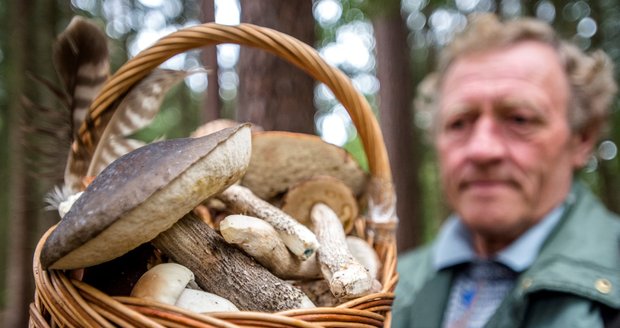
281, 159
144, 193
300, 199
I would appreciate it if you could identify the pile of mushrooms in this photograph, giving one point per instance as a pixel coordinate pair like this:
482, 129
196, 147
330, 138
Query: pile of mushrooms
285, 205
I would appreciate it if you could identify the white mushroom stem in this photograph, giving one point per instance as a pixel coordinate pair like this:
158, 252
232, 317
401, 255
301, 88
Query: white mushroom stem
261, 241
347, 278
298, 238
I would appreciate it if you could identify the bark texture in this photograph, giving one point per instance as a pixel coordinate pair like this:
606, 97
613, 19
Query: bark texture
225, 270
273, 93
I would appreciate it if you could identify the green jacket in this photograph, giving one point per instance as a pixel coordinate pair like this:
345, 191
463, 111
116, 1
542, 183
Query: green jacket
574, 282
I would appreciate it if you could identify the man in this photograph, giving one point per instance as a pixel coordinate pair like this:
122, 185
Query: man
516, 114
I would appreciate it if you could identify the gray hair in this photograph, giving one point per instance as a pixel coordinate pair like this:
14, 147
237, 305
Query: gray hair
590, 75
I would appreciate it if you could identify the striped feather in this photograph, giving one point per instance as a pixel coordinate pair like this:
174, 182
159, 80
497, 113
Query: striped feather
81, 59
135, 111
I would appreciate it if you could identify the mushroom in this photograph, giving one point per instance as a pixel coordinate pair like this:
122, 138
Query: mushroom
365, 254
282, 159
347, 278
328, 206
328, 190
261, 241
163, 283
297, 237
170, 283
145, 195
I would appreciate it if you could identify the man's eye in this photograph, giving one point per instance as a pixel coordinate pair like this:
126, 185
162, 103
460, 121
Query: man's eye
456, 124
520, 119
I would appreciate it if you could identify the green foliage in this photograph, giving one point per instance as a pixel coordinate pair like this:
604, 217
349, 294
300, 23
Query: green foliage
356, 149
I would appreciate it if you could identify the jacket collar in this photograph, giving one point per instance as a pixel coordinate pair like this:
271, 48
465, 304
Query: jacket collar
581, 256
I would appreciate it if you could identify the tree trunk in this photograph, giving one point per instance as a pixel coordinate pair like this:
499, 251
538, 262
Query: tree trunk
396, 119
211, 103
273, 93
31, 25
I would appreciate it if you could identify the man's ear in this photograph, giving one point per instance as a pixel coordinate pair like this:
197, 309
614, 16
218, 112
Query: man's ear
583, 142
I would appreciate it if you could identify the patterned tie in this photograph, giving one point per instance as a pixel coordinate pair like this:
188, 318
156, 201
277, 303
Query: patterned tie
478, 289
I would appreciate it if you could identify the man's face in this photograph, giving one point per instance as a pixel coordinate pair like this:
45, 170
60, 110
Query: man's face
506, 151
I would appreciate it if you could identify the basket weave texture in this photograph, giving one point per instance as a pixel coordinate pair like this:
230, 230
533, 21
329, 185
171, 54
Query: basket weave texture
62, 301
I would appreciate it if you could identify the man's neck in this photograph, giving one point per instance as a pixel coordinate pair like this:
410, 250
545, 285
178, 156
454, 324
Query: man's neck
486, 247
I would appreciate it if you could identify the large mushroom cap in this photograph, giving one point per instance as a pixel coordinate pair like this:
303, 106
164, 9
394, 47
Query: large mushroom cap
144, 193
282, 159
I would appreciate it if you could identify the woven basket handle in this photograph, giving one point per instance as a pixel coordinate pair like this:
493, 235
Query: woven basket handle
382, 197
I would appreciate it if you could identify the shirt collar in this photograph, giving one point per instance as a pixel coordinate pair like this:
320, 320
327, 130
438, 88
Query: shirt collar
454, 244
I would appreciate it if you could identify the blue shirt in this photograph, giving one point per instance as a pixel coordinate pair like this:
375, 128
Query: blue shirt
481, 284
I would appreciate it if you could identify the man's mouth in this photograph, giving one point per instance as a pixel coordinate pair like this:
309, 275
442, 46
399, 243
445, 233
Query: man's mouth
485, 185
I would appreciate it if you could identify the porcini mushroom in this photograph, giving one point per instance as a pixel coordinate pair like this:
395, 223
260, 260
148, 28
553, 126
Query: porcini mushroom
297, 237
170, 283
347, 278
281, 159
328, 190
144, 195
163, 283
261, 241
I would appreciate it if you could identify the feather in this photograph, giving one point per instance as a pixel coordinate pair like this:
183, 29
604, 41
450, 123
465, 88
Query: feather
135, 111
81, 59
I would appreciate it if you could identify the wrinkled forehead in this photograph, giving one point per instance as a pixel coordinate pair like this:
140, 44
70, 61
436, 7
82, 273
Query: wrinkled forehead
527, 67
531, 60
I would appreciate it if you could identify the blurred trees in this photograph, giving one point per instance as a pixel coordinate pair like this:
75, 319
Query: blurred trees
391, 43
28, 32
396, 117
272, 93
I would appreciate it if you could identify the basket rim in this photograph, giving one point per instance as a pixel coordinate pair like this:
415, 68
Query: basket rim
77, 304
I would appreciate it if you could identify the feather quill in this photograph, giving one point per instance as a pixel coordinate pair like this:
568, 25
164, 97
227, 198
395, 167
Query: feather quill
134, 112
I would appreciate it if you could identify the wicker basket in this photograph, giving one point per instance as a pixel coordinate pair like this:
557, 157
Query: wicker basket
62, 301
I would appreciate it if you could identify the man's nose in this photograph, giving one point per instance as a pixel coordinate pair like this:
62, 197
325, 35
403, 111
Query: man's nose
485, 143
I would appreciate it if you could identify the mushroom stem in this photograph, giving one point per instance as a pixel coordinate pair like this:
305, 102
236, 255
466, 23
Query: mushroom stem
298, 238
261, 241
224, 270
347, 278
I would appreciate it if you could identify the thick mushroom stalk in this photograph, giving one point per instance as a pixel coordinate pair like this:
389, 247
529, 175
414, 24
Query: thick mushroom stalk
347, 278
297, 237
261, 241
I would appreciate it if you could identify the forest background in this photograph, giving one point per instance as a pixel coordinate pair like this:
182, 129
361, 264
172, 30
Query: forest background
385, 46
